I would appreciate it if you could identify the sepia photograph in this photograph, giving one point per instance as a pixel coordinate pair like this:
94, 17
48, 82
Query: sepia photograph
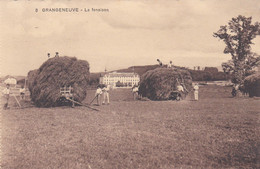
129, 84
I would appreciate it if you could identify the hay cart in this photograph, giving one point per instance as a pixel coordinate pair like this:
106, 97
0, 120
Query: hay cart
177, 95
67, 96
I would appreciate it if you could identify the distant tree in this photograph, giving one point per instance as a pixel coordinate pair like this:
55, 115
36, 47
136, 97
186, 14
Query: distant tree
238, 36
211, 69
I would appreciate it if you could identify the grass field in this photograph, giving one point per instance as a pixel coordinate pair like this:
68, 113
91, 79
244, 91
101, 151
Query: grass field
215, 132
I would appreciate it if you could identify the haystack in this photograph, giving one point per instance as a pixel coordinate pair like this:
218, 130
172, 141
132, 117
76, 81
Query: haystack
252, 85
159, 83
45, 82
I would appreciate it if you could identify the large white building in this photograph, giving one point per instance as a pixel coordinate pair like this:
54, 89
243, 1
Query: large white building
120, 79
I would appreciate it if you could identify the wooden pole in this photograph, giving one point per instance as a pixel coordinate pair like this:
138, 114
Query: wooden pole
81, 104
93, 99
17, 101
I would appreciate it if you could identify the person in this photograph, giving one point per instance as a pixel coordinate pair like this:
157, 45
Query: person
160, 63
6, 93
22, 92
105, 91
180, 91
57, 54
98, 94
196, 91
169, 65
235, 89
135, 92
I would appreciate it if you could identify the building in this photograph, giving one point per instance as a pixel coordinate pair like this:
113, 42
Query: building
119, 79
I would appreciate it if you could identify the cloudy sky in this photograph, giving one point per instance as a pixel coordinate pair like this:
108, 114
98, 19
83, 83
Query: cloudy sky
131, 33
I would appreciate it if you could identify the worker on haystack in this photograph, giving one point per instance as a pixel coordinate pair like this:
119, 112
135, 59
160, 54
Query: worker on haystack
169, 65
105, 91
6, 93
57, 54
98, 94
160, 63
22, 92
196, 91
135, 92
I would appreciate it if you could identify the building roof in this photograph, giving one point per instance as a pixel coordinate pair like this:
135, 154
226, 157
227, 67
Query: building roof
121, 74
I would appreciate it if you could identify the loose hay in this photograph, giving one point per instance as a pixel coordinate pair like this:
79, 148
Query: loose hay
159, 83
252, 85
45, 82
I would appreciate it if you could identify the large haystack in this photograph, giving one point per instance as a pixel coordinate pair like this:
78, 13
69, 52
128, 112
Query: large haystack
45, 82
159, 83
252, 85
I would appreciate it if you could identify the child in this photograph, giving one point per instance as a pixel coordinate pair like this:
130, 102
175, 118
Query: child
105, 91
98, 93
6, 93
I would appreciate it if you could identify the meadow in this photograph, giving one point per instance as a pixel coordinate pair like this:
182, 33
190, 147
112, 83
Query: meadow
217, 131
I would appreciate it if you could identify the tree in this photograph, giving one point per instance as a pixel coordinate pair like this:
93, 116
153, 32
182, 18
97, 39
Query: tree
238, 36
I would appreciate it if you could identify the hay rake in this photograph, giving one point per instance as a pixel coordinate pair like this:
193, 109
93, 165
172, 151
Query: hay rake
67, 93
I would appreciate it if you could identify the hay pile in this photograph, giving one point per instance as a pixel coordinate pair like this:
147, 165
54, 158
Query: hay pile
45, 82
252, 85
158, 84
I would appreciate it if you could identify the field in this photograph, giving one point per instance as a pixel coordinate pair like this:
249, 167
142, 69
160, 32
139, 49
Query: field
215, 132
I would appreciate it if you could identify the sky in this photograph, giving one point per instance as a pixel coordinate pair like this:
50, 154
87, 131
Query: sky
132, 33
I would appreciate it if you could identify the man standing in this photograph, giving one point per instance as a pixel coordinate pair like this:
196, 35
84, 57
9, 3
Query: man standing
106, 94
180, 92
97, 95
135, 92
196, 91
6, 93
